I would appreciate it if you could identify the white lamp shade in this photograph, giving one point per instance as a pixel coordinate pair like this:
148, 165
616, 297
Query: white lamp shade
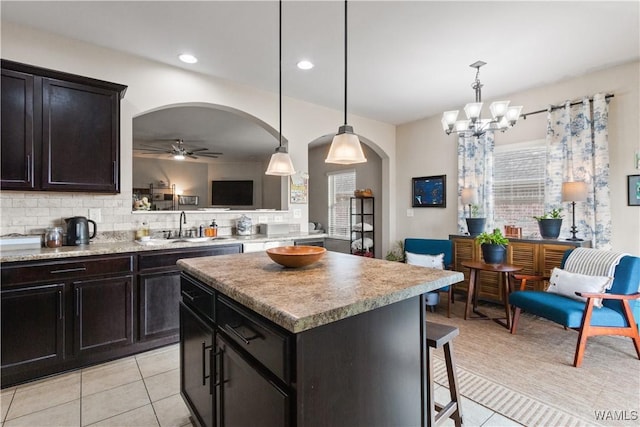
462, 125
469, 196
345, 148
513, 114
472, 110
280, 164
574, 191
449, 117
499, 109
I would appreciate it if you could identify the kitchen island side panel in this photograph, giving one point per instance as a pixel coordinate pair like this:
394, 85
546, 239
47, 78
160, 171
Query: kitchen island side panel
365, 370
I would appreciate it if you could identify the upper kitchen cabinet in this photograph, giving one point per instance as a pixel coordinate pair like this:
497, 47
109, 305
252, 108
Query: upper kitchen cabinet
60, 132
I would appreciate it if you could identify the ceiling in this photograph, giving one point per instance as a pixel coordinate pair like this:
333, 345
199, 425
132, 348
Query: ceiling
407, 59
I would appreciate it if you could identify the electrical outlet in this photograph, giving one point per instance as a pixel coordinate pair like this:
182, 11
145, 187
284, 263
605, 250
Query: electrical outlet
297, 213
95, 214
409, 212
278, 218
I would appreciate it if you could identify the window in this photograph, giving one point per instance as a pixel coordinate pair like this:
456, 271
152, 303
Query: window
341, 187
518, 184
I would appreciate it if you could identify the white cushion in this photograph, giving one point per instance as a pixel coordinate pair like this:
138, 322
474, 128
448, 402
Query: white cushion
431, 261
564, 283
362, 227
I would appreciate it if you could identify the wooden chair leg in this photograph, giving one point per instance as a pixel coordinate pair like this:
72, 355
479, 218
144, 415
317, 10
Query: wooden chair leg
453, 383
514, 321
584, 333
635, 335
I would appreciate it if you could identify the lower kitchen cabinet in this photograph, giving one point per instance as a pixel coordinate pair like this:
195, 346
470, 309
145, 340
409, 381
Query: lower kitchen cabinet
536, 257
33, 327
103, 314
158, 304
196, 384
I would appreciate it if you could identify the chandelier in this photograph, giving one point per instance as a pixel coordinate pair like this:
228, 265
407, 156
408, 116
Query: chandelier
503, 116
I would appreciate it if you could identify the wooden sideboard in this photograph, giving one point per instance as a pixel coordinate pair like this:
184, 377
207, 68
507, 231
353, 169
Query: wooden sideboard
536, 257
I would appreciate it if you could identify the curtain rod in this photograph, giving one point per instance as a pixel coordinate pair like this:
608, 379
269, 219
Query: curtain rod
555, 107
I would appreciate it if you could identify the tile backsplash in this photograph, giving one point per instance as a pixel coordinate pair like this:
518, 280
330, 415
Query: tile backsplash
31, 213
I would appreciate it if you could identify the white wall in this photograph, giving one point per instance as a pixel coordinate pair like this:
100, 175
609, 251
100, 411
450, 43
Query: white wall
152, 85
424, 149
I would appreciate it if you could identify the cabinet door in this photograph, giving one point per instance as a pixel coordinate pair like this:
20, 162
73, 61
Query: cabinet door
196, 388
525, 255
159, 299
33, 330
103, 314
80, 137
246, 397
17, 125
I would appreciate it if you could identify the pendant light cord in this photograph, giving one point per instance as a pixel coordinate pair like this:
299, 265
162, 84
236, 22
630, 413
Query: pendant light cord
280, 70
345, 62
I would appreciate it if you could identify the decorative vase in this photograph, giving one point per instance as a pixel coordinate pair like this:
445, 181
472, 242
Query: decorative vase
550, 228
475, 226
493, 254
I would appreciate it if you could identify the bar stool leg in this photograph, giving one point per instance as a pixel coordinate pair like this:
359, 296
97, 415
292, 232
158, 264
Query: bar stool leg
453, 383
431, 414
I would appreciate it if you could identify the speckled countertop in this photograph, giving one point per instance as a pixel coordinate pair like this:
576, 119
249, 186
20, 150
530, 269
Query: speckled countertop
336, 287
132, 246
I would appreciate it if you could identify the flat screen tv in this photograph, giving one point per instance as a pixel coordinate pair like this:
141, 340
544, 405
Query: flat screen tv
232, 193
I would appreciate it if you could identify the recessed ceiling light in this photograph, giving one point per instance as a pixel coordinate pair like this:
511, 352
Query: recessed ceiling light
305, 65
189, 59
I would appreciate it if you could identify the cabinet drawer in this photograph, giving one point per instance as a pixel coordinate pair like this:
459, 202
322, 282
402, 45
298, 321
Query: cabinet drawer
197, 297
168, 258
61, 270
256, 336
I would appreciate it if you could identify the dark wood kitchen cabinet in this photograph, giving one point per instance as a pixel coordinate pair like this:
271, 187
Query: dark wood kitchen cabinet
58, 315
159, 289
36, 312
59, 131
228, 354
103, 314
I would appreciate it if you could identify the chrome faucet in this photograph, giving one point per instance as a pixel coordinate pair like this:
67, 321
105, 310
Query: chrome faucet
182, 220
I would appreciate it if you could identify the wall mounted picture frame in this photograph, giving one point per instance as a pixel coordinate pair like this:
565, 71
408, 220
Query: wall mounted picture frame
633, 190
429, 191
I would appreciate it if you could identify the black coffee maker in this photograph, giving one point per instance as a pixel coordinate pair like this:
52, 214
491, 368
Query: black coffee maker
78, 231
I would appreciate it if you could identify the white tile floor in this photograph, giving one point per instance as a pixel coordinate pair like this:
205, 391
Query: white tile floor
139, 391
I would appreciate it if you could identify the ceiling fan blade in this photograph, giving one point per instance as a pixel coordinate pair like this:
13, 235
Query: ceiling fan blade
193, 150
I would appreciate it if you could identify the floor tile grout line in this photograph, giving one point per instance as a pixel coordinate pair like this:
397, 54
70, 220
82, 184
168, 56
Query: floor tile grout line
42, 410
4, 418
153, 408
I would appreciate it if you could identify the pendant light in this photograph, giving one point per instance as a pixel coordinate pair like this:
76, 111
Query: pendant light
345, 148
280, 163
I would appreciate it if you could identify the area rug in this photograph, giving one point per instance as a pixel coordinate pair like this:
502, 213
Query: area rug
529, 377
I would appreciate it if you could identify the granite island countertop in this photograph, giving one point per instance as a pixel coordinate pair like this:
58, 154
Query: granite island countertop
336, 287
119, 247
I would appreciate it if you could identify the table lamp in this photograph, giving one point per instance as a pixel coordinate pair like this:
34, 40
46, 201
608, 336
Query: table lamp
468, 196
574, 191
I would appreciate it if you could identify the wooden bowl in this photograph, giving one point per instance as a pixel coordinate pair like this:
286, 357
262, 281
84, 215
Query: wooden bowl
296, 256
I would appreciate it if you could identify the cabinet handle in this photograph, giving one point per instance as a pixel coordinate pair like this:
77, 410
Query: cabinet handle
77, 302
188, 296
28, 167
205, 347
213, 359
59, 305
244, 339
69, 270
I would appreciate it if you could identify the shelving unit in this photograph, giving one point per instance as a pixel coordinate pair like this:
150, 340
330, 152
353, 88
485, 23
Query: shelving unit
362, 226
163, 197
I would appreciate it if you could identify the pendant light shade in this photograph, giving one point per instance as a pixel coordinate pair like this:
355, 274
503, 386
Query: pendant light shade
345, 148
280, 163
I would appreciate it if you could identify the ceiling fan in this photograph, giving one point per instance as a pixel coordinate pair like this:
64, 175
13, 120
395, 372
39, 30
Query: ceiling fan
178, 150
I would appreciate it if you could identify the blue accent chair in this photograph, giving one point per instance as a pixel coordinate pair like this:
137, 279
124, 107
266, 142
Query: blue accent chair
434, 247
616, 317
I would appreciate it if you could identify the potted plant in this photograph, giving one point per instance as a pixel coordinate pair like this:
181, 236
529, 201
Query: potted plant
396, 253
475, 226
493, 245
549, 223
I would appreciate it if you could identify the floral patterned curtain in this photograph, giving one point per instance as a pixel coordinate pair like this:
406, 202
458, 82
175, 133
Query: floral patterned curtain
578, 150
475, 169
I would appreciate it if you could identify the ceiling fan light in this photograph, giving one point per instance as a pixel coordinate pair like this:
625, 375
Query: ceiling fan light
280, 163
178, 156
499, 109
345, 148
472, 110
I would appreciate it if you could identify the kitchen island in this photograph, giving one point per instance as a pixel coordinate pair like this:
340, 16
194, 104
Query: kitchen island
339, 343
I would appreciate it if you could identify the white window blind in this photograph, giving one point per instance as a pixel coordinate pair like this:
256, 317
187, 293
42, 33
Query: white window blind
518, 184
341, 187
